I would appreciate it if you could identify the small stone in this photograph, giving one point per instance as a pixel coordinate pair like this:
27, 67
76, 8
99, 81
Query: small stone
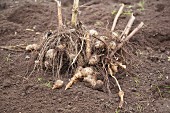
23, 94
69, 107
27, 57
6, 83
133, 90
37, 33
117, 99
60, 109
102, 99
59, 100
162, 49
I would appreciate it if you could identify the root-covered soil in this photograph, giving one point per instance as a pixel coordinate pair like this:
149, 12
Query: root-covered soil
146, 83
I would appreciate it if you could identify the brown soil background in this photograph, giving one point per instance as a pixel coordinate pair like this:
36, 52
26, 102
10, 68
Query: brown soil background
145, 90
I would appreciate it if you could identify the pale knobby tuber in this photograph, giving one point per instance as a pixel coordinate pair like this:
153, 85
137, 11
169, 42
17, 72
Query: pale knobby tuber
58, 84
89, 77
61, 46
112, 45
99, 43
93, 32
80, 73
50, 53
32, 47
92, 80
94, 59
99, 84
87, 71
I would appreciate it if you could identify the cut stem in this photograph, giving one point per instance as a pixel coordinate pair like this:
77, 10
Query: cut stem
74, 13
134, 31
128, 27
127, 38
117, 16
60, 22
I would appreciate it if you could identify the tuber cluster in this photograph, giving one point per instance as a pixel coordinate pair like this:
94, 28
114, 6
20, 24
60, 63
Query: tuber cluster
76, 52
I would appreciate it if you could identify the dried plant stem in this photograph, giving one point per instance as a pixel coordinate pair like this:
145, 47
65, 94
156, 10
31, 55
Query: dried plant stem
17, 48
117, 16
88, 46
60, 22
127, 28
74, 60
127, 38
134, 31
74, 12
35, 66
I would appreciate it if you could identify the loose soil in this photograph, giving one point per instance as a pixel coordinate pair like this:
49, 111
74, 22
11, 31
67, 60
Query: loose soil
147, 87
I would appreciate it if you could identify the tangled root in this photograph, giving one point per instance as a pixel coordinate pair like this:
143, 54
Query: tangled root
74, 50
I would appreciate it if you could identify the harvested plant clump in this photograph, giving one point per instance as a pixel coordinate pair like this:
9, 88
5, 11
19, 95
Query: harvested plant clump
73, 51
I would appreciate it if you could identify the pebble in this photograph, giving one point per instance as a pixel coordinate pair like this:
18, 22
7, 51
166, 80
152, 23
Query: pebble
133, 89
59, 100
23, 94
6, 83
27, 57
69, 107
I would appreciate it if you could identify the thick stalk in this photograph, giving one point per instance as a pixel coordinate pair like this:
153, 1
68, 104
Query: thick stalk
60, 22
74, 13
88, 46
116, 17
127, 38
128, 27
